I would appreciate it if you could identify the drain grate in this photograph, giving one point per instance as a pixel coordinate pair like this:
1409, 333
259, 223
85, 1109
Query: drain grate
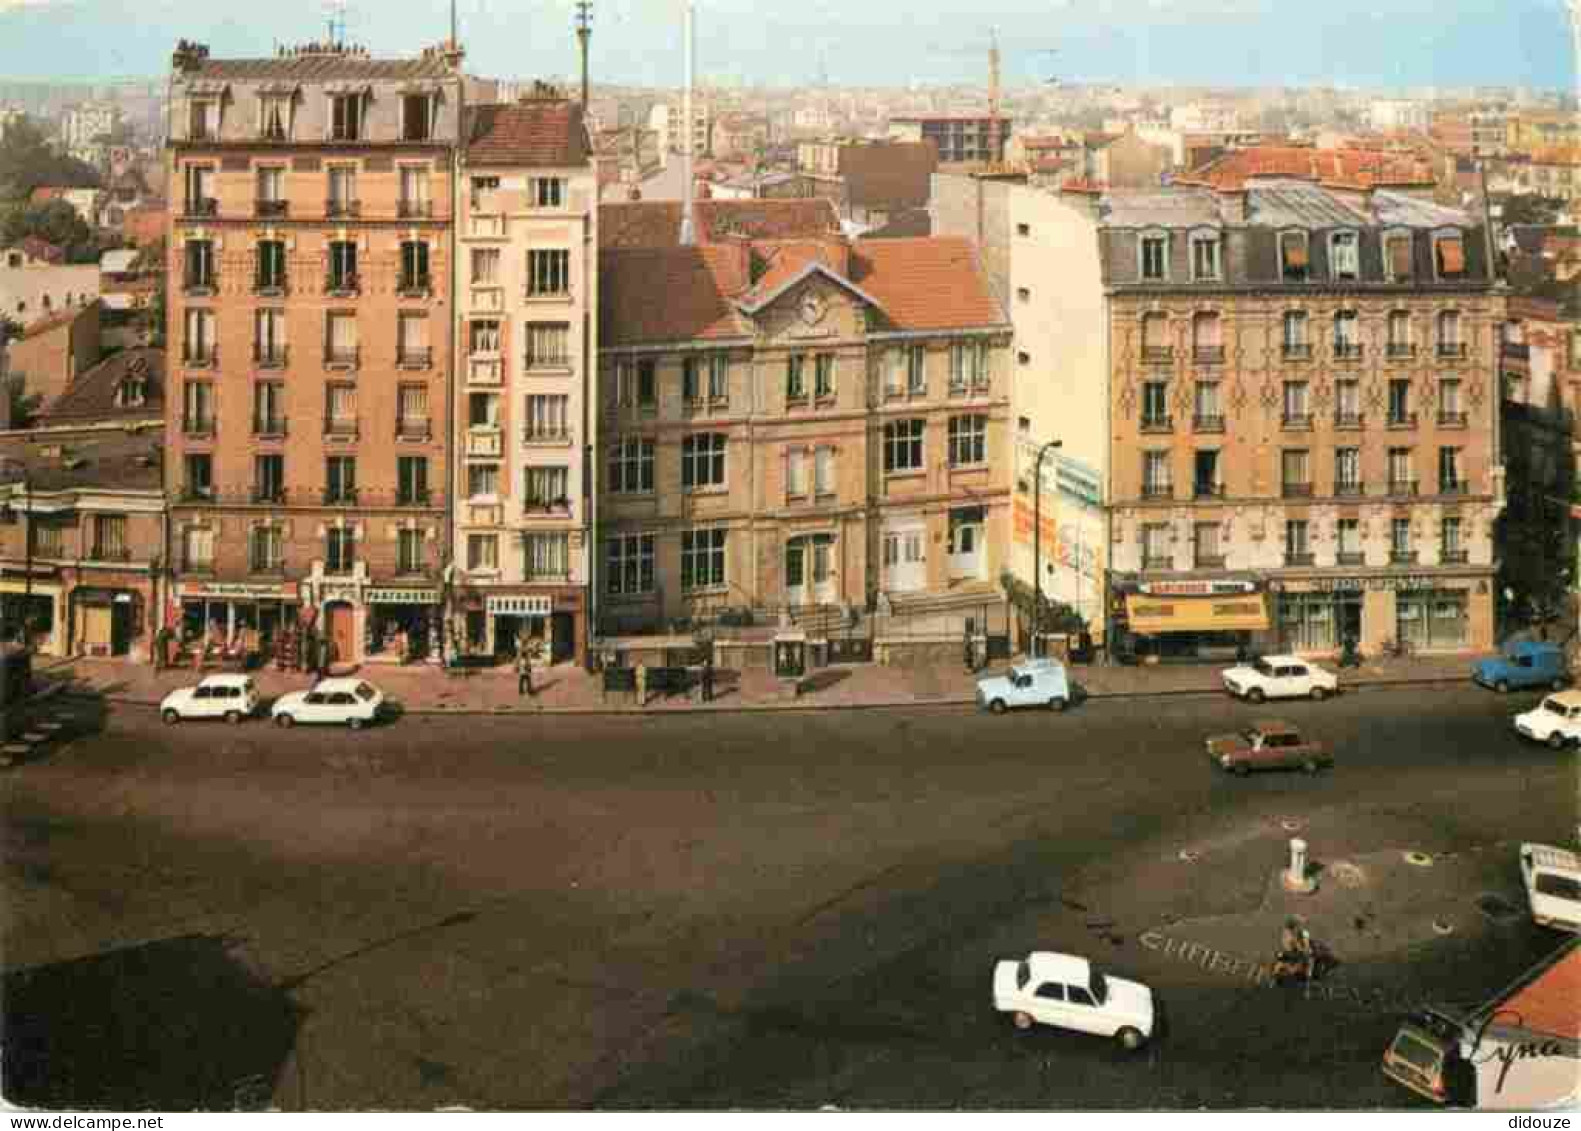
1497, 908
1419, 859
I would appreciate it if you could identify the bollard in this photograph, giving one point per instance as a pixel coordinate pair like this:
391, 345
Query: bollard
1296, 878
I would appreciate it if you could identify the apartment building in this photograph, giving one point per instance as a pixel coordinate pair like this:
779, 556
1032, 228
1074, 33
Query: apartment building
961, 139
85, 123
667, 120
310, 244
803, 423
526, 274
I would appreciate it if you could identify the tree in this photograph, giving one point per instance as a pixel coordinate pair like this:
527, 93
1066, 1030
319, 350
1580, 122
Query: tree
27, 162
56, 222
1529, 208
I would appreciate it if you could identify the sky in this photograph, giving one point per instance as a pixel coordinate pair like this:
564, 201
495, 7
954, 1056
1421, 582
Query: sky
1355, 43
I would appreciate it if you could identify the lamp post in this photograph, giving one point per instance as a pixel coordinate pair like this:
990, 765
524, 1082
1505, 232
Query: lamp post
1037, 546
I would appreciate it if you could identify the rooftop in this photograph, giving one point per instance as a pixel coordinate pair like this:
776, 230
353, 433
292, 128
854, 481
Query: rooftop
111, 459
310, 63
548, 133
96, 395
657, 223
1549, 1003
1336, 168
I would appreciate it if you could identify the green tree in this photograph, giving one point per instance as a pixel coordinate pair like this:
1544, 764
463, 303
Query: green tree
1529, 208
28, 161
57, 222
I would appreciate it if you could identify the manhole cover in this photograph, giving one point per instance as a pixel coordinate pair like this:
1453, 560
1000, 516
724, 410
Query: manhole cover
1442, 928
1419, 859
1347, 875
1497, 908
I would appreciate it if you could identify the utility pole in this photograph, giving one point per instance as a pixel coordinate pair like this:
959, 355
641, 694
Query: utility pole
584, 32
1037, 547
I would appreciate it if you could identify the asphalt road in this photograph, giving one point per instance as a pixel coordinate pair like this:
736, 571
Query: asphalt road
743, 910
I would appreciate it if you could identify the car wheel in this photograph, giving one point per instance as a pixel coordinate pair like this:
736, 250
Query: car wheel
1319, 694
233, 717
997, 706
1023, 1020
1057, 703
1502, 687
1556, 740
1309, 766
284, 721
355, 722
1130, 1039
1255, 695
171, 716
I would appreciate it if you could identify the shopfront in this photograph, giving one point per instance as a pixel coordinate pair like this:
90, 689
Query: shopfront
238, 618
106, 621
39, 606
516, 618
1319, 622
1424, 612
403, 625
1193, 620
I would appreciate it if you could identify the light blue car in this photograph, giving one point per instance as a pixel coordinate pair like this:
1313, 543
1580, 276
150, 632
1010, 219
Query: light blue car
1032, 683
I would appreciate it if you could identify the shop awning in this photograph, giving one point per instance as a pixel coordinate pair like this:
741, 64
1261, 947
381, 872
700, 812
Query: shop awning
1150, 616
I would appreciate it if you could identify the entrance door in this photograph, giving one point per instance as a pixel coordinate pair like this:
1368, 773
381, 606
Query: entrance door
96, 630
966, 543
796, 572
809, 570
822, 569
120, 628
340, 623
905, 558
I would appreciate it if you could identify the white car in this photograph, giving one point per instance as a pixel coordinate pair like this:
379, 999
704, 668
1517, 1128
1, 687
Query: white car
347, 702
1065, 991
1553, 886
1279, 677
1035, 683
229, 697
1556, 720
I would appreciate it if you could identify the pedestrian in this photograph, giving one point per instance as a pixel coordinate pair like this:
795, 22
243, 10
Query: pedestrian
642, 684
523, 672
708, 678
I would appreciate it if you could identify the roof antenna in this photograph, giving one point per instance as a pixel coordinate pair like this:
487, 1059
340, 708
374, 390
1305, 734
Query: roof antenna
454, 34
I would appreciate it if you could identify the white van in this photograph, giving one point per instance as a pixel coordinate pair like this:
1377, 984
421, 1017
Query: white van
1553, 886
1032, 683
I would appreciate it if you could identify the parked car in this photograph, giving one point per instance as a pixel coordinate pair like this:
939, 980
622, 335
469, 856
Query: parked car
229, 697
1529, 663
1067, 992
344, 701
1033, 683
1553, 886
1279, 677
1267, 745
1556, 720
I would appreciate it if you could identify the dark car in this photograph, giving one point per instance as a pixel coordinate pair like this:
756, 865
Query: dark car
1267, 745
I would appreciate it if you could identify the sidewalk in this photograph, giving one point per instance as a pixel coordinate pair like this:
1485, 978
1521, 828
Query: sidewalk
566, 688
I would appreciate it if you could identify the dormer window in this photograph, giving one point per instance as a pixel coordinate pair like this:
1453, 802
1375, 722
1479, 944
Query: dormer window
1344, 258
1206, 265
1293, 257
417, 116
1449, 255
132, 392
203, 121
1397, 259
345, 117
1155, 257
274, 117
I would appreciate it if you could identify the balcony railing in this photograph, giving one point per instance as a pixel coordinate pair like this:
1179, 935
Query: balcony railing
559, 505
1348, 420
269, 493
340, 496
344, 283
197, 492
1296, 490
1349, 490
532, 435
1451, 420
1402, 420
413, 428
414, 209
563, 361
347, 357
199, 284
275, 568
335, 208
1299, 558
340, 566
1297, 351
1208, 355
1158, 491
1517, 351
266, 356
414, 286
1402, 349
1454, 557
1157, 423
412, 498
341, 428
1453, 487
1152, 562
1402, 557
1350, 558
1296, 422
197, 565
1402, 486
1348, 351
266, 426
412, 358
111, 554
202, 206
1208, 561
271, 285
197, 425
1209, 422
1158, 355
1207, 490
271, 209
1451, 349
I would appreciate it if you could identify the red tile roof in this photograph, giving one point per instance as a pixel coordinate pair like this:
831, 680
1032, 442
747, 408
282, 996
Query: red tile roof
1550, 1003
657, 223
546, 133
932, 283
1337, 168
649, 296
93, 395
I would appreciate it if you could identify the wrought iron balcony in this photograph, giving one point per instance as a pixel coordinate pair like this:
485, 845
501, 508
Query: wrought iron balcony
1451, 420
1301, 558
1157, 423
414, 209
267, 426
1452, 350
342, 283
1207, 422
413, 428
1453, 487
1402, 349
1350, 558
1350, 490
271, 209
1158, 355
412, 358
198, 425
1158, 491
202, 206
1296, 422
1208, 355
1402, 419
1402, 557
1349, 420
1348, 351
1296, 490
1454, 557
337, 208
340, 496
1402, 486
346, 357
267, 356
1208, 561
1297, 351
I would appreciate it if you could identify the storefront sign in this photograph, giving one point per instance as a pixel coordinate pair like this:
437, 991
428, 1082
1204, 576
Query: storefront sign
403, 597
1149, 616
1339, 584
1194, 588
226, 589
518, 606
338, 593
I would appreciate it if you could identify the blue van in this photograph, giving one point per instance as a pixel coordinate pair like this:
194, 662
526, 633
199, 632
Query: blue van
1530, 663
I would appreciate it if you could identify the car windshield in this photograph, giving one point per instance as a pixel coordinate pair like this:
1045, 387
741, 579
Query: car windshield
365, 693
1553, 706
1263, 667
1023, 974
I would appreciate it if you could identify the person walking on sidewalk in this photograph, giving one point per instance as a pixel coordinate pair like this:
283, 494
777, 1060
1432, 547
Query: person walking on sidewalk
523, 672
708, 678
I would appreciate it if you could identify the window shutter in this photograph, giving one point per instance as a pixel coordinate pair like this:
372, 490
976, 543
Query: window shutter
1451, 256
1400, 257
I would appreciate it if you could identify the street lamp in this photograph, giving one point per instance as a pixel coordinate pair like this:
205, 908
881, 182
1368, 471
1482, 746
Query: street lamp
1037, 546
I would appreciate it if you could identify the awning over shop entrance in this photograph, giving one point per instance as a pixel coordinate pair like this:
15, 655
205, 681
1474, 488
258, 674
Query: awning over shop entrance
1223, 613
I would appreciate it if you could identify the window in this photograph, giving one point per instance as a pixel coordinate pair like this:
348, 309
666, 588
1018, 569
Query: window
968, 440
197, 547
823, 472
131, 392
269, 338
1156, 482
411, 418
548, 344
968, 366
483, 552
483, 480
271, 190
109, 537
411, 480
483, 190
1205, 265
1297, 405
894, 373
1400, 402
796, 377
203, 119
916, 370
1451, 549
628, 564
1298, 545
1400, 334
903, 446
1207, 409
1344, 256
1347, 471
702, 559
345, 117
414, 190
1205, 549
1348, 535
200, 191
409, 557
342, 191
269, 478
1155, 404
1451, 407
1155, 337
340, 479
718, 377
1451, 479
547, 555
1347, 334
1401, 479
546, 488
417, 116
267, 552
1207, 342
340, 549
703, 460
1449, 341
1397, 256
1400, 539
631, 466
1156, 552
340, 409
411, 341
549, 272
823, 375
635, 383
1155, 257
796, 472
1296, 469
548, 192
271, 265
342, 266
485, 266
341, 332
1293, 258
1205, 483
198, 408
199, 475
414, 266
200, 265
484, 336
1449, 255
1295, 335
546, 416
1347, 402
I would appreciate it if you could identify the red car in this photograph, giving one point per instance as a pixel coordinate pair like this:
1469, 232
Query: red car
1267, 745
